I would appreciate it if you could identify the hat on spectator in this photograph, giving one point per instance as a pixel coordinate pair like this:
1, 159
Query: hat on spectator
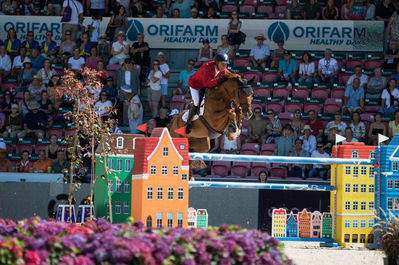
120, 32
3, 147
286, 52
37, 77
14, 106
160, 54
102, 36
260, 37
335, 127
127, 60
110, 78
33, 105
194, 10
126, 88
27, 60
306, 127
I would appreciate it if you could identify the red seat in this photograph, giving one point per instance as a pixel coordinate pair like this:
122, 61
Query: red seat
281, 92
338, 93
39, 148
350, 64
248, 152
266, 152
175, 105
255, 169
113, 67
265, 9
256, 76
280, 10
178, 98
285, 117
229, 8
312, 106
300, 92
269, 77
250, 2
332, 105
22, 147
281, 2
267, 147
19, 96
249, 9
276, 107
367, 117
240, 169
320, 93
219, 170
55, 131
341, 64
372, 108
240, 62
261, 92
9, 86
292, 107
250, 147
371, 64
10, 148
280, 172
343, 78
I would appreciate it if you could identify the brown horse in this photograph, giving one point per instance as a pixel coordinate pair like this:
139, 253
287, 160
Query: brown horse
225, 106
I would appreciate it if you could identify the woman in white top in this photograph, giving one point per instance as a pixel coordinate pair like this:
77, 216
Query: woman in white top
230, 147
135, 114
120, 49
46, 72
306, 69
225, 48
154, 89
76, 62
390, 96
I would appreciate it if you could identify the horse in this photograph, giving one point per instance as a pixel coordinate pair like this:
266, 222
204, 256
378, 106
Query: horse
225, 106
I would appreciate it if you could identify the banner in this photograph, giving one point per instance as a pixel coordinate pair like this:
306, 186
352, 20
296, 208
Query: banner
306, 35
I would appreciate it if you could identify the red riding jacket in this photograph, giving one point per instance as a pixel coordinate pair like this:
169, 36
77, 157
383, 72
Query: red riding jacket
205, 76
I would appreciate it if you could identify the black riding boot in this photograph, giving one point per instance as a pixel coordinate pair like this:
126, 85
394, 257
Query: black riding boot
191, 113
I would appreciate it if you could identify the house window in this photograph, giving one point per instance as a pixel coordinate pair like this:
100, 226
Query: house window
164, 170
170, 220
362, 236
175, 170
363, 223
355, 154
363, 188
395, 166
347, 206
390, 184
363, 206
371, 172
180, 193
160, 193
170, 193
159, 219
153, 170
371, 223
149, 193
347, 223
182, 147
180, 219
119, 143
347, 170
355, 187
363, 170
126, 186
165, 151
355, 205
354, 238
354, 223
111, 185
149, 221
396, 184
183, 176
347, 237
355, 172
118, 185
119, 164
396, 206
128, 165
117, 207
390, 203
372, 154
371, 188
125, 207
111, 163
371, 206
347, 187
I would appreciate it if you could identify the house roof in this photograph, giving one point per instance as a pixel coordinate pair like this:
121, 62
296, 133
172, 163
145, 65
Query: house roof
345, 150
127, 148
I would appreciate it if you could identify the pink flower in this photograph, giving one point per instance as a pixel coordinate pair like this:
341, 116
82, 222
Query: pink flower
32, 258
82, 260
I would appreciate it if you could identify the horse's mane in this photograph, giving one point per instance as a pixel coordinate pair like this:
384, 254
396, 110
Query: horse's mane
230, 75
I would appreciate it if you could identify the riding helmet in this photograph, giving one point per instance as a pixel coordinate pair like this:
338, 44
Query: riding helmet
222, 57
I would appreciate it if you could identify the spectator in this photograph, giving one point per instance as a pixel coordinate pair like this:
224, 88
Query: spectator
9, 7
346, 7
46, 72
42, 165
93, 59
120, 49
354, 97
396, 76
182, 86
187, 102
164, 68
52, 149
102, 73
394, 125
60, 165
236, 37
75, 18
297, 123
285, 143
5, 163
12, 43
49, 47
36, 88
384, 10
96, 7
94, 29
316, 125
287, 69
205, 54
260, 53
262, 176
391, 56
110, 88
278, 54
36, 121
53, 7
27, 7
230, 147
309, 140
24, 103
26, 75
67, 46
30, 42
159, 13
2, 123
369, 12
103, 106
24, 165
75, 62
14, 124
5, 61
306, 69
358, 74
154, 89
45, 103
330, 11
176, 13
312, 10
54, 96
321, 171
356, 11
135, 113
225, 47
341, 126
103, 47
151, 124
377, 127
36, 59
118, 22
257, 128
184, 7
293, 11
328, 68
17, 63
349, 136
297, 170
194, 12
211, 14
163, 119
136, 8
84, 45
7, 102
376, 85
273, 127
390, 96
392, 30
358, 128
140, 52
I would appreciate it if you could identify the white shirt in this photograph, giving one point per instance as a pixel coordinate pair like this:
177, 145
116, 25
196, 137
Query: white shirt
76, 64
354, 140
5, 62
385, 95
364, 79
260, 52
17, 62
317, 154
127, 78
164, 69
102, 107
306, 69
76, 8
328, 67
117, 46
157, 85
309, 145
96, 32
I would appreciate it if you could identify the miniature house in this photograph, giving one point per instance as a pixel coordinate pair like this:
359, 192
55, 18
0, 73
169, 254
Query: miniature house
202, 218
316, 224
292, 225
279, 222
192, 218
304, 223
327, 225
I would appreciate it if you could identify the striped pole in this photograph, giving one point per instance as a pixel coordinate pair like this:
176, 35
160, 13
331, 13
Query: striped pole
279, 159
254, 185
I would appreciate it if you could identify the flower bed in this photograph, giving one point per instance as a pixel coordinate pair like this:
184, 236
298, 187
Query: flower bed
39, 242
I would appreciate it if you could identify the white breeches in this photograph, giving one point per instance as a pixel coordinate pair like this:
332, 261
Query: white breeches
195, 96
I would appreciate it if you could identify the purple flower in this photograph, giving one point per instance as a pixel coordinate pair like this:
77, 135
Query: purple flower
188, 262
82, 260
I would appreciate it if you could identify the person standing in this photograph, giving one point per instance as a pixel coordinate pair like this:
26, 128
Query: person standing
182, 86
75, 18
164, 67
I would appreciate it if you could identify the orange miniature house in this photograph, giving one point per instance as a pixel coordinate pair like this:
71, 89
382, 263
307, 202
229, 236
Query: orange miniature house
160, 180
304, 221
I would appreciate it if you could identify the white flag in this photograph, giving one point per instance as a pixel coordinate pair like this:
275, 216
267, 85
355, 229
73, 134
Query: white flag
339, 138
382, 138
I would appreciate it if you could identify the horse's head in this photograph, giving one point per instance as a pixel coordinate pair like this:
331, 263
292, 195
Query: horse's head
245, 97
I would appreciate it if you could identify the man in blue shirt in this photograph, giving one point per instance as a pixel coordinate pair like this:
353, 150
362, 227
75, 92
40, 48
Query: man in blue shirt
30, 42
354, 97
287, 69
182, 86
260, 53
37, 59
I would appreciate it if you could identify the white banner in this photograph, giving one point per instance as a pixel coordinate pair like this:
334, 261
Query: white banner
304, 35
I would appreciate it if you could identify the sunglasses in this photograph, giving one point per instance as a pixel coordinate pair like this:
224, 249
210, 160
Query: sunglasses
297, 112
319, 146
257, 112
67, 33
156, 63
269, 113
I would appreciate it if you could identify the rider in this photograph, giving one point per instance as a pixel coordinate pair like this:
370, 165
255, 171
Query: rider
208, 75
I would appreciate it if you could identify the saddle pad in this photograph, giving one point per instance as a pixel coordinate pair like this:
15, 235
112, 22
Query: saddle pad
185, 115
